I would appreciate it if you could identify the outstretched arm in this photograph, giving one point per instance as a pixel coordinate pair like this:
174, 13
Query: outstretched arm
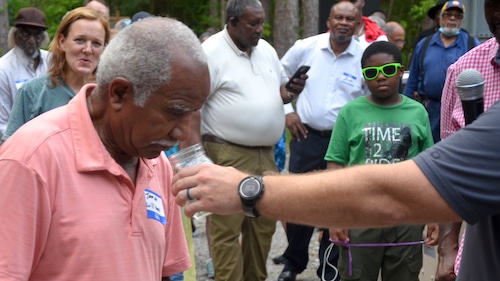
362, 196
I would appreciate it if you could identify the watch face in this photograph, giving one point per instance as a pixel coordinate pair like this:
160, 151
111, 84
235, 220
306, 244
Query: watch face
250, 188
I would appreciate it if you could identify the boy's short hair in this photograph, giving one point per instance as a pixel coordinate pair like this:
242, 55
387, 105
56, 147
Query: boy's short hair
381, 47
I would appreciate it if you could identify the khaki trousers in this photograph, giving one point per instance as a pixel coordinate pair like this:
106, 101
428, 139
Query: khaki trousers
246, 260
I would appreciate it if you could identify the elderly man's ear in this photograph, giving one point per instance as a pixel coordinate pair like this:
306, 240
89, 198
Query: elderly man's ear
120, 90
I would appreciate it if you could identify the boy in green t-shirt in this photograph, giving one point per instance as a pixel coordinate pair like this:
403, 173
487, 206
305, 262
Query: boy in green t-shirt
381, 128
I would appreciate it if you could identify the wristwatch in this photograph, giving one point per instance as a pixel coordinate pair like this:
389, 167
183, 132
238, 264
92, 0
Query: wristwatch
250, 190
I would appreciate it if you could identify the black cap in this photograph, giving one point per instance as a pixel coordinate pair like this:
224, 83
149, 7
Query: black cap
431, 13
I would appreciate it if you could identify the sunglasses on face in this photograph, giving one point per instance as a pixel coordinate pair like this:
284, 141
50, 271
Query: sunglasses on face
446, 15
26, 34
389, 70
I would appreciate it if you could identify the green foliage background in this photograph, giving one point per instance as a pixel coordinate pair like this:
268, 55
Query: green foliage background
410, 14
195, 13
54, 10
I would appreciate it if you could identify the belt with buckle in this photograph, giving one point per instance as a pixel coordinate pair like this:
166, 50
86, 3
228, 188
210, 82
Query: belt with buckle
214, 139
324, 133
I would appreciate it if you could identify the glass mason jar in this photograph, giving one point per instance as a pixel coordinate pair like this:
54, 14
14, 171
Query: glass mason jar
187, 157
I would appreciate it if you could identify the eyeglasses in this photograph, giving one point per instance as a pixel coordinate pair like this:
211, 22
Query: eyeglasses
458, 16
389, 70
26, 34
396, 41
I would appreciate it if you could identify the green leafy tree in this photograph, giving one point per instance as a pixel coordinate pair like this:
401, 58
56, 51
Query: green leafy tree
200, 15
54, 10
194, 13
411, 15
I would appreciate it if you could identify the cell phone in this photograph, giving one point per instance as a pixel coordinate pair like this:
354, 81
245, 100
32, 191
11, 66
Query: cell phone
302, 70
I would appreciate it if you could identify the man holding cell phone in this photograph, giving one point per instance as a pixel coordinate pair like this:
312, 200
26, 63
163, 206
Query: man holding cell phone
335, 77
241, 121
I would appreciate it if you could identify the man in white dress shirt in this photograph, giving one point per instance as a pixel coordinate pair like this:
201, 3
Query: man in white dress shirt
335, 78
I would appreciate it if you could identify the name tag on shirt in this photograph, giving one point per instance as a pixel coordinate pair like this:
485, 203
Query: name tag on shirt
20, 82
348, 79
154, 206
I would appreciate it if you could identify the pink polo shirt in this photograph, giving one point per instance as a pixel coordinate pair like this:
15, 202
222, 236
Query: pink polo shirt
70, 212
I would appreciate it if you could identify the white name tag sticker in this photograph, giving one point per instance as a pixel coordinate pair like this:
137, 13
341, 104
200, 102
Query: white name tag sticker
348, 78
154, 206
20, 82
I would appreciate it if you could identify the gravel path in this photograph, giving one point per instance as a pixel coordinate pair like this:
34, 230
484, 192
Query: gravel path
277, 247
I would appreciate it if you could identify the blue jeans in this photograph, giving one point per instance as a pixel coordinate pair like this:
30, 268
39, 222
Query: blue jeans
177, 277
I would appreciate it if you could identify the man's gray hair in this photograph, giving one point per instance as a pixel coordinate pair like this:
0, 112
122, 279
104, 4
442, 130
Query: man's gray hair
11, 38
143, 53
237, 8
389, 29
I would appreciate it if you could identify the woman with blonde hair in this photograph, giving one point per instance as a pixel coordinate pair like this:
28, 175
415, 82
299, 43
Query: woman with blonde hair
74, 54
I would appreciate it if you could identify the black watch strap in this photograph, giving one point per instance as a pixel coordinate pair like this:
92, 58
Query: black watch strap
249, 203
251, 211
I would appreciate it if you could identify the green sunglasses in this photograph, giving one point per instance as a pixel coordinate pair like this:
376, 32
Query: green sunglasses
389, 70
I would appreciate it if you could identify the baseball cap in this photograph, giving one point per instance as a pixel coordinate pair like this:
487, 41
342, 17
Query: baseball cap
140, 16
30, 17
453, 4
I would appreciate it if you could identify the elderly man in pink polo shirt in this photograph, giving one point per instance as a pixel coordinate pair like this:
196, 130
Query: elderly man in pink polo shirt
85, 191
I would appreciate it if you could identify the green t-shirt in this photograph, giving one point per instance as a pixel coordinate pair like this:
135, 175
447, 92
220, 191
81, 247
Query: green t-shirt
366, 133
34, 98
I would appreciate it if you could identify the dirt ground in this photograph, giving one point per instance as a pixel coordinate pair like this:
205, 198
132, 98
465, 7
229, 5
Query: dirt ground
278, 245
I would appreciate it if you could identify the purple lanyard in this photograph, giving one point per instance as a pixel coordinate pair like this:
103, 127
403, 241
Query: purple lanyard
349, 245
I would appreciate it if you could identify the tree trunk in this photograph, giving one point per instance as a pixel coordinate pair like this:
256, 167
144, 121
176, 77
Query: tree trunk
4, 27
214, 14
223, 12
286, 24
266, 5
310, 10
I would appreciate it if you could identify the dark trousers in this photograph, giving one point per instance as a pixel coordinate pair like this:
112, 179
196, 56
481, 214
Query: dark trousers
434, 110
308, 155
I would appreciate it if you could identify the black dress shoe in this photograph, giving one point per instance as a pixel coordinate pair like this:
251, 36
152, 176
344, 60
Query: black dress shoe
279, 260
287, 275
